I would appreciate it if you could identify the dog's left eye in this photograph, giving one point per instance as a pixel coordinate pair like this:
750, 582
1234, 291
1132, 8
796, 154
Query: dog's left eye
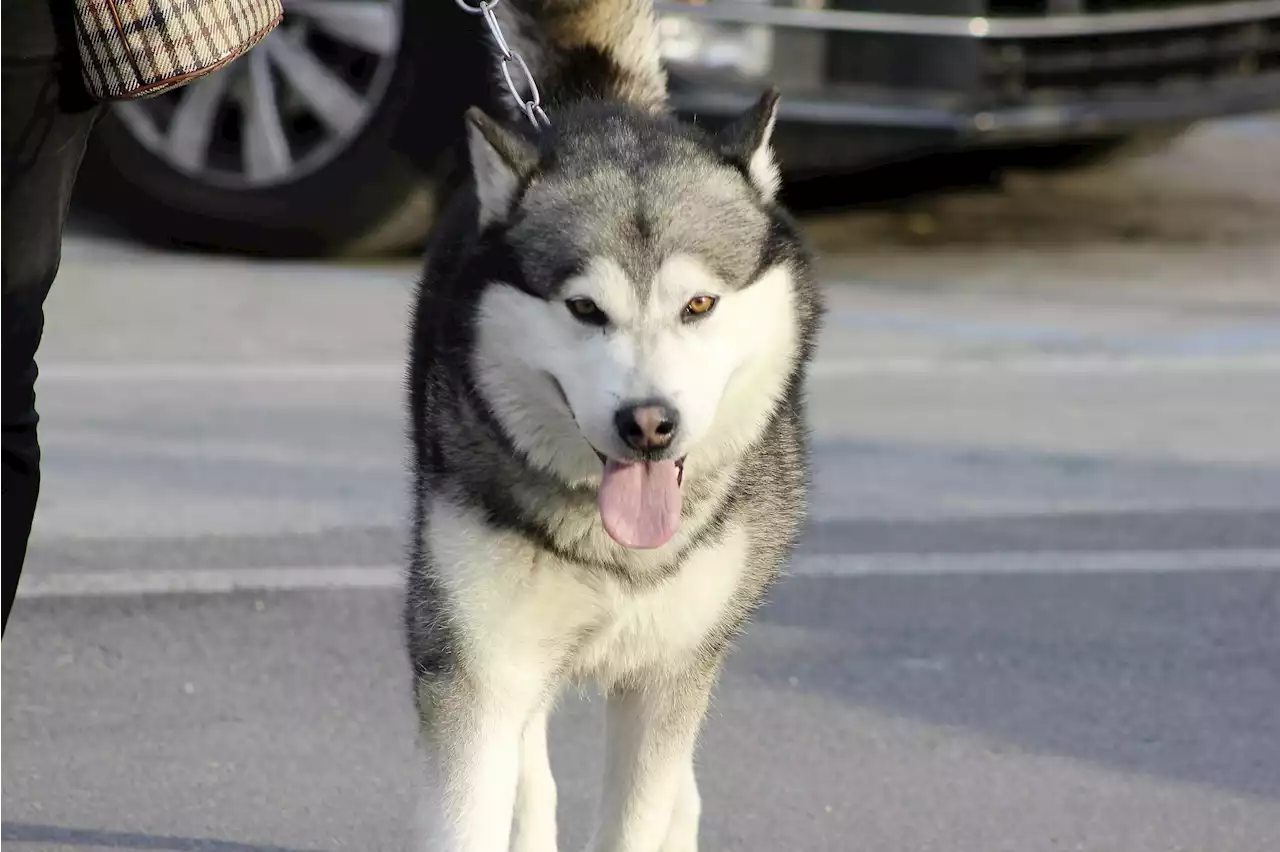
586, 311
699, 306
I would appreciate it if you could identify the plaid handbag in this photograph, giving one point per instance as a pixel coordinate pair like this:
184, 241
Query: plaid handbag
139, 48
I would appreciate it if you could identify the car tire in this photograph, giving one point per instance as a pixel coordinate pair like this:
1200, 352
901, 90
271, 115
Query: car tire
362, 198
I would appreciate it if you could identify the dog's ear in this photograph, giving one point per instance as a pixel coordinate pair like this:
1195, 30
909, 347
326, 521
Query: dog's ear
500, 162
745, 142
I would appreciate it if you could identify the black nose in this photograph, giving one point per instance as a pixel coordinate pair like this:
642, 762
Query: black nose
648, 425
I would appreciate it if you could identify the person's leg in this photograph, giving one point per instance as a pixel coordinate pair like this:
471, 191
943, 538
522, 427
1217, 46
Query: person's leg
46, 120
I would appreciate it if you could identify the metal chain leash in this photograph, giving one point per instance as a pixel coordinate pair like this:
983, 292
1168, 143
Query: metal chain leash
532, 108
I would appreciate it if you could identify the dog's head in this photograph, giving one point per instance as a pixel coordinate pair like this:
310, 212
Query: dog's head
643, 319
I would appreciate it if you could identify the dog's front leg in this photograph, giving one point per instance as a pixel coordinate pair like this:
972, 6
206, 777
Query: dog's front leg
682, 834
651, 732
471, 732
536, 792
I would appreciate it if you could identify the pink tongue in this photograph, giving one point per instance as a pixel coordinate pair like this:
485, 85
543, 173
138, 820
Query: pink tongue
640, 502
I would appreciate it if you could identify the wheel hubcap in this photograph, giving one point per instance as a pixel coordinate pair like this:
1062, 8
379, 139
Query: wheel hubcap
284, 109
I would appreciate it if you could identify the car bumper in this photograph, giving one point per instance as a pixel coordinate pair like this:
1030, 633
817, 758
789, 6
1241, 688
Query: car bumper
906, 110
892, 83
846, 130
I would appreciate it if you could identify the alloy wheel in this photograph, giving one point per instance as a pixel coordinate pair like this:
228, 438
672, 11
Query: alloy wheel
286, 108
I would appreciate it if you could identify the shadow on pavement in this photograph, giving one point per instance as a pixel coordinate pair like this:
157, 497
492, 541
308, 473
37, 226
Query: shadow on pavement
1168, 675
25, 832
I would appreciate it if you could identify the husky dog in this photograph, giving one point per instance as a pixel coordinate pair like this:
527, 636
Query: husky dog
605, 389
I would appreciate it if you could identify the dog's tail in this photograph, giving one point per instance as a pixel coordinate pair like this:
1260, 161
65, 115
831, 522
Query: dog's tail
587, 50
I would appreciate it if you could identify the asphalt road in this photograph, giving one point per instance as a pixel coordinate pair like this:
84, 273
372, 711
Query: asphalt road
1038, 607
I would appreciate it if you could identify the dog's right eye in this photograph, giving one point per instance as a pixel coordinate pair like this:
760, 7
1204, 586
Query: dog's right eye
586, 311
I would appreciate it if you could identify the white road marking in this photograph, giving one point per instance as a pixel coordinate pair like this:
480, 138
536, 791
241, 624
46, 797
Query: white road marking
110, 583
823, 368
944, 365
221, 372
1037, 562
58, 584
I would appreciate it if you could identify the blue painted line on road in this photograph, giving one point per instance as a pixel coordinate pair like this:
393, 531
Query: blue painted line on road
1230, 340
1222, 341
1253, 125
957, 329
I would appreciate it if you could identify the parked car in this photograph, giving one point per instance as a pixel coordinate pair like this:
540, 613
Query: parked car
330, 136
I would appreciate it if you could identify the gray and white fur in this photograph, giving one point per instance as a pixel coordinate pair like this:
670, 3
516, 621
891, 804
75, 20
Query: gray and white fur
617, 264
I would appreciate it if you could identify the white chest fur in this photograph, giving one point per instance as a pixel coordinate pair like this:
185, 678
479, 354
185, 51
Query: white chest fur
665, 625
522, 614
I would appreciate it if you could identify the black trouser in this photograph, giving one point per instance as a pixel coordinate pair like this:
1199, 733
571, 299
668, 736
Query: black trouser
46, 120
